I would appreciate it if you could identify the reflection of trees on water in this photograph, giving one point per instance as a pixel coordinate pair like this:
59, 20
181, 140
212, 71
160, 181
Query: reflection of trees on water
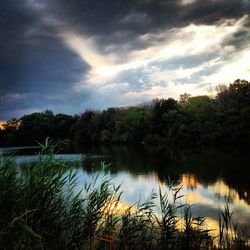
206, 165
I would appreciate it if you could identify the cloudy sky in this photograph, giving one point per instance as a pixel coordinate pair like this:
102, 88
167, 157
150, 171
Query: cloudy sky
69, 56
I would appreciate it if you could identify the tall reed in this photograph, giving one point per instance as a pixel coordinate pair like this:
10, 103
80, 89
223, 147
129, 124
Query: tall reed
41, 209
231, 236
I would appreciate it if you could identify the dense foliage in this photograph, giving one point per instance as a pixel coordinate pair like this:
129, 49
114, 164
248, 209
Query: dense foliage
223, 118
42, 209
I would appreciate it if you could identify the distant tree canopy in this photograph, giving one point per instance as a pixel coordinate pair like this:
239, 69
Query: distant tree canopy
224, 118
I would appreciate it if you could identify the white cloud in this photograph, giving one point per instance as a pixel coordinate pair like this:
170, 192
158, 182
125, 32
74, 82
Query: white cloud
237, 68
103, 67
187, 2
192, 40
172, 90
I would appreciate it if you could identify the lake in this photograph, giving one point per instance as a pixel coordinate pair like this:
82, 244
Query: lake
208, 178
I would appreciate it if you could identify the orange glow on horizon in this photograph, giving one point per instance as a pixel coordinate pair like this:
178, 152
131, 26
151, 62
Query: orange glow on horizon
11, 123
2, 123
189, 180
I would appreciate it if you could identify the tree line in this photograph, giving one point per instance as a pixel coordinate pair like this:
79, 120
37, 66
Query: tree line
208, 119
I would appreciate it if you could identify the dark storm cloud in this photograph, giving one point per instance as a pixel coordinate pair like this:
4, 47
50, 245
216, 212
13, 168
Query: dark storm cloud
17, 105
39, 67
15, 20
139, 17
34, 62
118, 24
38, 70
239, 39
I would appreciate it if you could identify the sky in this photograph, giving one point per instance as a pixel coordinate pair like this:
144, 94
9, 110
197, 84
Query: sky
69, 56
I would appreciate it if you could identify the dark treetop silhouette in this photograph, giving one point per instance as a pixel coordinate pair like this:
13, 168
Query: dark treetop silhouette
222, 119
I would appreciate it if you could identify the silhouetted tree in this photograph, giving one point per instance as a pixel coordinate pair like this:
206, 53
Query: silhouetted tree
224, 118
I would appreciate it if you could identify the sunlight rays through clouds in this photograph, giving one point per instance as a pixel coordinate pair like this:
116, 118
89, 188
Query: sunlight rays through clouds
82, 52
155, 60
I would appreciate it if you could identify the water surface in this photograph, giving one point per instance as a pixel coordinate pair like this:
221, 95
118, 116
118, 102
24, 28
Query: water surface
210, 178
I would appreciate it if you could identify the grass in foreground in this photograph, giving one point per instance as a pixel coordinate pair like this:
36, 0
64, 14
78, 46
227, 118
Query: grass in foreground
40, 209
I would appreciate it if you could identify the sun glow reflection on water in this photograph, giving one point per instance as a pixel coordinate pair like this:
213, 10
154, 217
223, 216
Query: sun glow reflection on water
207, 195
206, 200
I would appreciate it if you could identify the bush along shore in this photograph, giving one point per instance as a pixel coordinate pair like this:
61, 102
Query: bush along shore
41, 209
222, 117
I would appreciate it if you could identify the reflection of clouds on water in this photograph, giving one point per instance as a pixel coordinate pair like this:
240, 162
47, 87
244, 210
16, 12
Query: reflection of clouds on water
67, 158
13, 150
206, 200
207, 194
189, 180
